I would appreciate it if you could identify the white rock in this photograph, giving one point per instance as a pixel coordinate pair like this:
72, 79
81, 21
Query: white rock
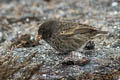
114, 4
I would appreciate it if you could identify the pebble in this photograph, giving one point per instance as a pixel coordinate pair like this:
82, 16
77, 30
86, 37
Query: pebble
1, 36
114, 4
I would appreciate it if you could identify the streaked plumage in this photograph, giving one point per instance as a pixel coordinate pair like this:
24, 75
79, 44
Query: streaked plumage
66, 36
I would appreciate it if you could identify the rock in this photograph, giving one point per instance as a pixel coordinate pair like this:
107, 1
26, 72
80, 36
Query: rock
76, 58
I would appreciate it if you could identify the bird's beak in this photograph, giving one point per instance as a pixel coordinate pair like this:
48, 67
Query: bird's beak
39, 37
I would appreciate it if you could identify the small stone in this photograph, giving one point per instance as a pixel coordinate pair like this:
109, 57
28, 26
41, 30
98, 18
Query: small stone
76, 58
114, 4
115, 26
116, 44
27, 20
44, 75
1, 35
115, 12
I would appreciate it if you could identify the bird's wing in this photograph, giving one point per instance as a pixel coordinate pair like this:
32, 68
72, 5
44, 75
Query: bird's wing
79, 30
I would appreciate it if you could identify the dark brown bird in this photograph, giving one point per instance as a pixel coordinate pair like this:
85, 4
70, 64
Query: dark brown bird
66, 36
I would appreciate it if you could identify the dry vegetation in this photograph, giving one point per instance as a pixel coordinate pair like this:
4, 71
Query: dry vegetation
7, 70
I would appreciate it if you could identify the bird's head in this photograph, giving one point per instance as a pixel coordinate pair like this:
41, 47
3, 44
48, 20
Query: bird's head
46, 30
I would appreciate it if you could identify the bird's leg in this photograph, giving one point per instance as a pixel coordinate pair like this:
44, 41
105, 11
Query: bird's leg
89, 46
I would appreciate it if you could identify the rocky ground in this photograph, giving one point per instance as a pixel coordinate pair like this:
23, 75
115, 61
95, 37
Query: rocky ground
23, 59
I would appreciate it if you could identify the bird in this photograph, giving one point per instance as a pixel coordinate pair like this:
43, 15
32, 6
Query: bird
67, 36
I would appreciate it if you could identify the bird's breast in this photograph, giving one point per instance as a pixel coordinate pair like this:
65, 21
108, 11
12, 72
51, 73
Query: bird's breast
64, 44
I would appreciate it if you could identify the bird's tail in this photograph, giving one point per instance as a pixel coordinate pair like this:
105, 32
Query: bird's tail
103, 32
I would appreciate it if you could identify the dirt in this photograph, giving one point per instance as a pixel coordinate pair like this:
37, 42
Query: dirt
28, 60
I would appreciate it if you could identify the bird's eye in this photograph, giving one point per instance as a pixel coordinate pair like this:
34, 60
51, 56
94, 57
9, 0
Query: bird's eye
41, 31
